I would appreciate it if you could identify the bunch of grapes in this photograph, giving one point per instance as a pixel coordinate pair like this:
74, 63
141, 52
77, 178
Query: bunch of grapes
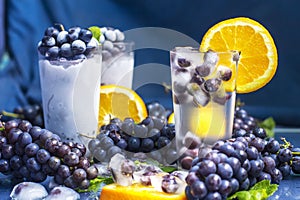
141, 140
31, 112
31, 153
238, 163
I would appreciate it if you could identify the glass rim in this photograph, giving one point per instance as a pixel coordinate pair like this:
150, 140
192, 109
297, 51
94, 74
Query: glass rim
190, 49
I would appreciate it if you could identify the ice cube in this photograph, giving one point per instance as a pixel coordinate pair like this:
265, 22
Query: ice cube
212, 85
28, 191
62, 192
182, 98
220, 96
178, 88
205, 69
200, 97
211, 57
224, 73
122, 169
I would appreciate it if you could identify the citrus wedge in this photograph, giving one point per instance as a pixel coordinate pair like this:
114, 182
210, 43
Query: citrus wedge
258, 54
136, 192
120, 102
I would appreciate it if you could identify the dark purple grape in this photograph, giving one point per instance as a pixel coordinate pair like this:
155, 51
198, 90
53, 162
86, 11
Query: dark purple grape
92, 172
260, 132
241, 175
4, 166
198, 189
54, 162
42, 156
24, 139
285, 155
13, 135
7, 151
224, 170
33, 165
16, 162
35, 132
31, 149
11, 124
71, 159
225, 188
234, 163
296, 165
207, 167
269, 164
252, 153
133, 144
257, 167
79, 175
25, 125
64, 171
84, 163
285, 169
147, 145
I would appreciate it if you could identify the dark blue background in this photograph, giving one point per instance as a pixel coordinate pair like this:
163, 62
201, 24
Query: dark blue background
26, 20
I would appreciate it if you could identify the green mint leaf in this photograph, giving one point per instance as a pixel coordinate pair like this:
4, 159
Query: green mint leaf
96, 32
95, 184
241, 195
269, 125
260, 191
168, 169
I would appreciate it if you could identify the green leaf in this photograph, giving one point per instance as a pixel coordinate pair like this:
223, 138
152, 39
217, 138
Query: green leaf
95, 184
269, 125
96, 32
168, 169
260, 191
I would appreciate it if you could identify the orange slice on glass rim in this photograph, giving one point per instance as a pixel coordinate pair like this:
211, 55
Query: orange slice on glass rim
120, 102
258, 54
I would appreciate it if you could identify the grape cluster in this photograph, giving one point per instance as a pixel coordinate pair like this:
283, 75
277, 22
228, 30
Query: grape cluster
240, 162
229, 166
244, 124
31, 112
31, 153
111, 40
75, 43
150, 138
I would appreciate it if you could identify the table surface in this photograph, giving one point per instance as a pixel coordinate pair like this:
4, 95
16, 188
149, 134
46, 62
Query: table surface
288, 189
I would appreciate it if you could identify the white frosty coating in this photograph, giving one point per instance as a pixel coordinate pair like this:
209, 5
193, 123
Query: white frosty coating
71, 97
118, 70
60, 192
28, 191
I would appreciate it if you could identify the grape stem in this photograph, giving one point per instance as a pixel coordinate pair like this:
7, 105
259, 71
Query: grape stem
87, 136
286, 143
11, 114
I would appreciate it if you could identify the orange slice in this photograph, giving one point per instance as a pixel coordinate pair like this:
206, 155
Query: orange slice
136, 192
171, 119
120, 102
258, 54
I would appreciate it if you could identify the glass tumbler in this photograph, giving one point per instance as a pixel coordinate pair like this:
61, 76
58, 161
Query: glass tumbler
203, 89
118, 64
71, 96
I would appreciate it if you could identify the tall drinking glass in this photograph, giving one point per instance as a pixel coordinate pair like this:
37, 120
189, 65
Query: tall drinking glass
203, 87
118, 64
71, 95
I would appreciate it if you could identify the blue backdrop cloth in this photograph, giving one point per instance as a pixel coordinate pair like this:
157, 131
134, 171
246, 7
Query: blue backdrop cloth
23, 24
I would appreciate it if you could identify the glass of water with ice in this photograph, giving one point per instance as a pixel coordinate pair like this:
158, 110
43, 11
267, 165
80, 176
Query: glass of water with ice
203, 88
